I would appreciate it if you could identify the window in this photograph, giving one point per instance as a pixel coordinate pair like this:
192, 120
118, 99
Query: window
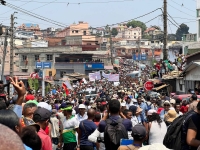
73, 31
134, 37
37, 57
84, 32
134, 33
49, 57
62, 73
50, 73
24, 70
76, 31
24, 57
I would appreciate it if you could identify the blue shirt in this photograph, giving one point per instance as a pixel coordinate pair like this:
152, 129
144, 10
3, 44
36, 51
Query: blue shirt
126, 122
27, 148
87, 128
18, 110
145, 108
162, 114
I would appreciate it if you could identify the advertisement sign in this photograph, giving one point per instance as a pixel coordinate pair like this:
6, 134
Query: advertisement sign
94, 66
139, 57
43, 65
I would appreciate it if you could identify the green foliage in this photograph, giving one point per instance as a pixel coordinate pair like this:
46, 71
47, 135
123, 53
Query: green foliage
147, 37
135, 24
183, 29
114, 31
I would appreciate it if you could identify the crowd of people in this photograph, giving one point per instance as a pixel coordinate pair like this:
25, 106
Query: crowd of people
102, 121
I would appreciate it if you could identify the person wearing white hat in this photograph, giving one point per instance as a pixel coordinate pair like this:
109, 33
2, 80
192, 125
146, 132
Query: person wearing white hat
155, 146
82, 115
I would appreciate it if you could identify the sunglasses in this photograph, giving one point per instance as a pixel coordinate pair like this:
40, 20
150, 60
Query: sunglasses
166, 105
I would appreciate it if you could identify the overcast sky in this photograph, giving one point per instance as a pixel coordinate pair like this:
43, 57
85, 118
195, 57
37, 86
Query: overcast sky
100, 14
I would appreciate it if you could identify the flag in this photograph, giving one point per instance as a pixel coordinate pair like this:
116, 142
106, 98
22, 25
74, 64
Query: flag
65, 88
68, 84
84, 81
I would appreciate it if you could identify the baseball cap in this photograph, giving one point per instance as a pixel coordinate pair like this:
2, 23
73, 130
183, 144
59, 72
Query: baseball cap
82, 106
33, 101
172, 101
44, 105
139, 130
150, 112
41, 114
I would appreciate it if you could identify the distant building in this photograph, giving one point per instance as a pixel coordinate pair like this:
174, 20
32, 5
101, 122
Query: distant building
29, 27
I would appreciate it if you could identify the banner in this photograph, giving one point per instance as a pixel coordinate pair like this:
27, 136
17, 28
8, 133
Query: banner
97, 75
91, 76
114, 77
105, 75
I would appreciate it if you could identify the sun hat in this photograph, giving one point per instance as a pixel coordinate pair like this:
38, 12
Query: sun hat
172, 101
150, 112
81, 106
170, 115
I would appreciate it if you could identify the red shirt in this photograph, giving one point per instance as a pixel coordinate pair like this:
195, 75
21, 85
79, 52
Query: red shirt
157, 67
184, 109
46, 140
159, 110
29, 97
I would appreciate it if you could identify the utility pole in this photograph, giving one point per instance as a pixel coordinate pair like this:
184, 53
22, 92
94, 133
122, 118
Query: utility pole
165, 54
11, 50
111, 48
4, 54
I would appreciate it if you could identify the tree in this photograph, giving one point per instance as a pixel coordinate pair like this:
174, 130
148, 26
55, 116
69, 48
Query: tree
135, 24
114, 31
183, 29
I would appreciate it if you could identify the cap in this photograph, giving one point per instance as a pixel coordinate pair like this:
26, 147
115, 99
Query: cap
172, 101
41, 114
82, 106
44, 105
67, 107
32, 101
139, 130
166, 102
150, 112
134, 100
170, 115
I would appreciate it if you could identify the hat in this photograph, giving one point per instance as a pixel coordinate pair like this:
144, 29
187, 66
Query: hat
67, 107
134, 100
166, 102
172, 101
33, 101
170, 115
139, 130
150, 112
81, 106
44, 105
41, 114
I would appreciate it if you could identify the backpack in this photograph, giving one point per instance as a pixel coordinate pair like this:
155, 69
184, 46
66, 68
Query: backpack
148, 106
114, 132
173, 137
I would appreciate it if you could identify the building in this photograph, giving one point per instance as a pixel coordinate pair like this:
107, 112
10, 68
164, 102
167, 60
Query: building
82, 28
129, 33
198, 20
23, 34
29, 27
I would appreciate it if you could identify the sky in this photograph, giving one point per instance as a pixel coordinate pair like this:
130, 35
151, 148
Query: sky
99, 13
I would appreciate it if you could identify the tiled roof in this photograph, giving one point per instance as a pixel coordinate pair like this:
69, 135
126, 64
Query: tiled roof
149, 29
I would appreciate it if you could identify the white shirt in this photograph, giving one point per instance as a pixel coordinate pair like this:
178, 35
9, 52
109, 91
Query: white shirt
128, 105
179, 114
134, 121
81, 118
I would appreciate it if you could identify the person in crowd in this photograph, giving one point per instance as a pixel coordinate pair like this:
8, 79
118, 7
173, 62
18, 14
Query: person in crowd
30, 138
194, 103
139, 135
172, 103
42, 117
177, 109
184, 106
97, 118
156, 127
170, 116
136, 112
86, 127
128, 102
114, 110
165, 110
144, 108
10, 140
82, 115
28, 111
70, 127
193, 132
154, 104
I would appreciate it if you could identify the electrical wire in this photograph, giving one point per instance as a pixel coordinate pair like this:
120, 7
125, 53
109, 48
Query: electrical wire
173, 23
183, 6
35, 15
184, 18
179, 10
172, 19
89, 2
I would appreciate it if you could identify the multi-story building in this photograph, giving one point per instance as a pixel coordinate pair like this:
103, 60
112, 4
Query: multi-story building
129, 33
198, 20
29, 27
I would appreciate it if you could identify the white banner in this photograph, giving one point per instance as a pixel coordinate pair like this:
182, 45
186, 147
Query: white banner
105, 75
97, 76
114, 77
91, 76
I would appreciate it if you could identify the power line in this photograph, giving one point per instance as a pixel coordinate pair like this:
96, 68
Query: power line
180, 10
173, 23
89, 2
182, 6
184, 18
172, 18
